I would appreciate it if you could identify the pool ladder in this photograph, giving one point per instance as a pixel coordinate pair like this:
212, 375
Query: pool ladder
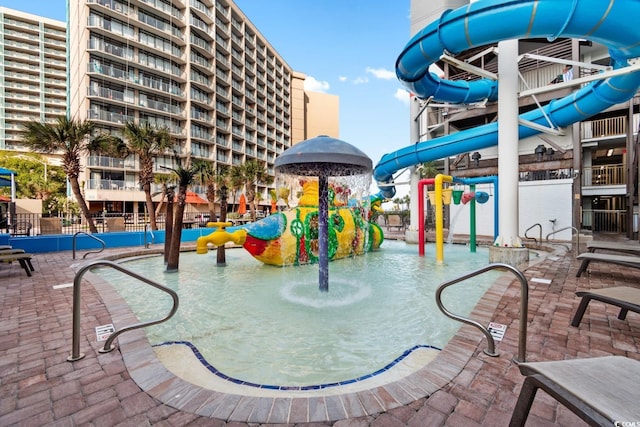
524, 301
539, 239
75, 238
108, 345
574, 230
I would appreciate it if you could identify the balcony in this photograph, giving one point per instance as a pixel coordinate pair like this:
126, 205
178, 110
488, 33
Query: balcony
602, 128
604, 180
604, 175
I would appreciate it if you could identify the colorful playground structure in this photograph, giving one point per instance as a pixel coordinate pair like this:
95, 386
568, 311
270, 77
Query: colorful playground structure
290, 237
458, 196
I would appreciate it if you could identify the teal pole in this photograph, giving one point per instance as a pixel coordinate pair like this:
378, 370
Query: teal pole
472, 221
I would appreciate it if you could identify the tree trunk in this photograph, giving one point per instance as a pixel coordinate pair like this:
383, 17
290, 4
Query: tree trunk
168, 229
176, 234
251, 197
150, 210
75, 187
221, 258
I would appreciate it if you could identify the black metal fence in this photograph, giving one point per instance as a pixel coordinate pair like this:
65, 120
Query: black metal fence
28, 224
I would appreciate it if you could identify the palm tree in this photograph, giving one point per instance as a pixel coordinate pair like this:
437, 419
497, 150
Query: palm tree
255, 172
72, 139
217, 183
163, 180
236, 180
147, 142
428, 170
205, 175
185, 178
223, 183
169, 192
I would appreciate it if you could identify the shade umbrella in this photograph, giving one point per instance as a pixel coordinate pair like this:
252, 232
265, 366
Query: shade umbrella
193, 199
242, 208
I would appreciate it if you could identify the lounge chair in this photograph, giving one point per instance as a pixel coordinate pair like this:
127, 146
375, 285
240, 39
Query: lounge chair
23, 258
603, 391
625, 297
116, 224
10, 250
395, 221
629, 248
51, 225
588, 257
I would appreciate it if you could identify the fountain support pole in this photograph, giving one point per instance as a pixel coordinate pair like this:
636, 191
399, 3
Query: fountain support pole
323, 157
323, 233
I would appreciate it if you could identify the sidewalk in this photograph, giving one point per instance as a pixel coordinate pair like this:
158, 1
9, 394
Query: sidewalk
39, 387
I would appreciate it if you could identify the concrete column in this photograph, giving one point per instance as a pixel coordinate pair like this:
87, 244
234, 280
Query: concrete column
411, 235
508, 248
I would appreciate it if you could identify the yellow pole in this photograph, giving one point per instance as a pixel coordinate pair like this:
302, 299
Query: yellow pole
440, 178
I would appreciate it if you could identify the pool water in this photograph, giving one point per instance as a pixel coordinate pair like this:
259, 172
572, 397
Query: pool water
271, 325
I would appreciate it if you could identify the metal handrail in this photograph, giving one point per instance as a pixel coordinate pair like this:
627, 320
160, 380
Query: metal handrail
75, 236
566, 228
147, 229
108, 345
536, 240
524, 296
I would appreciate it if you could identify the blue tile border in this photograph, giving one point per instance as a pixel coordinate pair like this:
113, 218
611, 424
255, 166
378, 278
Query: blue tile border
219, 374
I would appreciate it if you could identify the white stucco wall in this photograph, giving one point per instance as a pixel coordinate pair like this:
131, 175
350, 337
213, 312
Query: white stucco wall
540, 201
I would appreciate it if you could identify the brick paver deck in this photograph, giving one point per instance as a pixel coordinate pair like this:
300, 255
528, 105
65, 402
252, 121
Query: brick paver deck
38, 386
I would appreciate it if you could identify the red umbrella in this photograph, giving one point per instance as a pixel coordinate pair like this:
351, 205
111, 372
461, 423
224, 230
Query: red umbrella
193, 199
242, 209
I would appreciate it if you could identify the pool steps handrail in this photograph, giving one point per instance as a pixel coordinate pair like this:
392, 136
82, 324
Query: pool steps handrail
524, 301
108, 345
574, 229
75, 236
539, 240
148, 229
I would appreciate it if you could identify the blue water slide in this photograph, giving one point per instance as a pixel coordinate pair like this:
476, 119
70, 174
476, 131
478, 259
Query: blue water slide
610, 22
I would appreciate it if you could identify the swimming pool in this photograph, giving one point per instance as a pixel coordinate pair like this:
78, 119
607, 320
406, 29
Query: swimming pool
271, 326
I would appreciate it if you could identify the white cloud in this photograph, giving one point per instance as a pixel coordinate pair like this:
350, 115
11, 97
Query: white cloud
343, 78
313, 85
360, 80
381, 73
402, 95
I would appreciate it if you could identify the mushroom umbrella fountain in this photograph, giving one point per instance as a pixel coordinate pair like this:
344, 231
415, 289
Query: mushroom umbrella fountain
323, 157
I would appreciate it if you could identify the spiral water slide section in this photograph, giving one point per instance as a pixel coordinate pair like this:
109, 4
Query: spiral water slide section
610, 22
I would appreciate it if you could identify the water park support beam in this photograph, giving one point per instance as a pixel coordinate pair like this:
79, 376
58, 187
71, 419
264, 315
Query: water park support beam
415, 112
508, 161
507, 247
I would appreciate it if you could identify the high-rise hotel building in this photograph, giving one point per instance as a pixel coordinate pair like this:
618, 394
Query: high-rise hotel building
33, 73
197, 67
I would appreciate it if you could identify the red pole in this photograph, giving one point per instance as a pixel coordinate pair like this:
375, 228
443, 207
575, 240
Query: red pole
421, 185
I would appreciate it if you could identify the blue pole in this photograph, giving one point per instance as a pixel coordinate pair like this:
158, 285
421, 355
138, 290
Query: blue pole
323, 233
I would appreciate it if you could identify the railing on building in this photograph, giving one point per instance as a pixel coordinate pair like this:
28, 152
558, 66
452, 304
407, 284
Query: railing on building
610, 126
604, 175
548, 174
604, 220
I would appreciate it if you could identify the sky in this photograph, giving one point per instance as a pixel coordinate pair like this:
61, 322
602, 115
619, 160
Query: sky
346, 48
